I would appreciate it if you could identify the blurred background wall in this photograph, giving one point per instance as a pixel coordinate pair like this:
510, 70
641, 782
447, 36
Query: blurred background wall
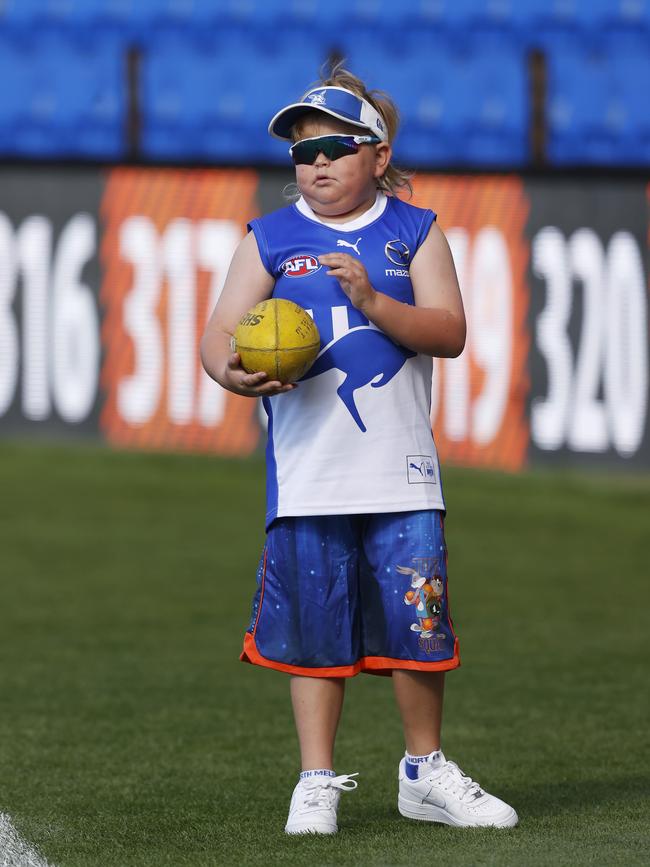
133, 151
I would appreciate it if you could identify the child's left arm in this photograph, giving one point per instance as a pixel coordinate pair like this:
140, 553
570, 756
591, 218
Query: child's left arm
436, 324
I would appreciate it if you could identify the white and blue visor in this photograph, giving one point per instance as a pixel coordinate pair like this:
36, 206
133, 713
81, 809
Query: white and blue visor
335, 101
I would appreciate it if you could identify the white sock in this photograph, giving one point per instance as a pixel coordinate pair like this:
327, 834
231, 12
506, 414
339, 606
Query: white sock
319, 772
421, 766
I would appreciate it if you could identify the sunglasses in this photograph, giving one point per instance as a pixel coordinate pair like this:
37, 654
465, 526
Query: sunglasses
334, 147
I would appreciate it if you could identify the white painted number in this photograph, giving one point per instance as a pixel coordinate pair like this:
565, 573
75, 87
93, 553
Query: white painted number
59, 322
491, 327
600, 401
75, 324
172, 259
138, 394
34, 252
179, 266
455, 371
549, 415
216, 243
8, 330
587, 423
626, 359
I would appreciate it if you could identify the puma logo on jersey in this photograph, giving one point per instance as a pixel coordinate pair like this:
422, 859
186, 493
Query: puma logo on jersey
423, 466
355, 247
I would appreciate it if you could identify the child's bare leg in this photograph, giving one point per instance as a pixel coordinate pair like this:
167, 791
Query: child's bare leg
419, 697
317, 704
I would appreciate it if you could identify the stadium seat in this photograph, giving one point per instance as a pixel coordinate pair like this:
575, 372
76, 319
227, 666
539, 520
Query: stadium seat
424, 136
594, 102
153, 19
14, 71
30, 15
471, 19
576, 83
603, 18
74, 99
457, 107
211, 77
543, 23
71, 19
397, 21
177, 96
497, 133
209, 104
629, 56
270, 22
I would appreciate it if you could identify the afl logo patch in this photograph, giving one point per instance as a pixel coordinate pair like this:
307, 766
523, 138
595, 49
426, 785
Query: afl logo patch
397, 252
300, 266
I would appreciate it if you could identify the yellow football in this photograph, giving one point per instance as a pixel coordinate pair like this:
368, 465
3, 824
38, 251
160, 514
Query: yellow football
278, 337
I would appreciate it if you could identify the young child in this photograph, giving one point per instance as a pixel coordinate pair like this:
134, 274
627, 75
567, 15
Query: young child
353, 576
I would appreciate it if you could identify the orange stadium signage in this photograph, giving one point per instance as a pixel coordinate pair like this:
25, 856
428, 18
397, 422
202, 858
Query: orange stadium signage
107, 279
168, 240
479, 399
169, 235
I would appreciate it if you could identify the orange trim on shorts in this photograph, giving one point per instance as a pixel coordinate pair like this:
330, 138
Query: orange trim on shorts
382, 665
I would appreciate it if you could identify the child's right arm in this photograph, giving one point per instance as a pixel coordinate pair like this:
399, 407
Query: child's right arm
247, 283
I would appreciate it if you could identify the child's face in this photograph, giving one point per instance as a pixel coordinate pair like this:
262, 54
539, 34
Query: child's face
333, 187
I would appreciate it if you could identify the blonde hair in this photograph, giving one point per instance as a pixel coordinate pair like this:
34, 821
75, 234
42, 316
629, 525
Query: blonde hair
394, 180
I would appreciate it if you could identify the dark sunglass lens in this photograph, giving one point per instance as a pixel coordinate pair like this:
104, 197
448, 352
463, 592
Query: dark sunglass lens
305, 153
341, 147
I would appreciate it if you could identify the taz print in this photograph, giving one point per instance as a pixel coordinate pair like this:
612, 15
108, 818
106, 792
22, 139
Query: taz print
426, 595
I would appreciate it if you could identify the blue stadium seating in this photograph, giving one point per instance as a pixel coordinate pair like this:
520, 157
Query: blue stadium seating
604, 18
215, 102
279, 22
531, 22
495, 89
30, 15
457, 107
595, 103
72, 19
630, 85
69, 100
452, 20
214, 71
576, 84
15, 87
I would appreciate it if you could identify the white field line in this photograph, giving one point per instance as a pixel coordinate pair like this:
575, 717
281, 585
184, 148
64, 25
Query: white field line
14, 851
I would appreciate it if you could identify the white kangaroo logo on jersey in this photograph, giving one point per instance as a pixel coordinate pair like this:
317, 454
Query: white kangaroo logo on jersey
363, 353
340, 243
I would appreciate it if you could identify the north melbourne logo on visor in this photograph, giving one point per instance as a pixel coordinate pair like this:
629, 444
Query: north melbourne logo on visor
300, 266
317, 98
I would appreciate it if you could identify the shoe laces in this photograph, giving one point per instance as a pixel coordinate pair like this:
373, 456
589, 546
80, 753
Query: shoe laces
453, 780
320, 793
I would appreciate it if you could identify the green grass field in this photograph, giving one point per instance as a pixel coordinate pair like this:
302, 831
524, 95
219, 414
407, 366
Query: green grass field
131, 735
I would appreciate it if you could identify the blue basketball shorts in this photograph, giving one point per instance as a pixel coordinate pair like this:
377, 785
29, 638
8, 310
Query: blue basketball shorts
341, 594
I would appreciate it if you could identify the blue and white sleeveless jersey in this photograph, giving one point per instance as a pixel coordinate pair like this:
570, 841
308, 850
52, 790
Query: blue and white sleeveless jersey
355, 436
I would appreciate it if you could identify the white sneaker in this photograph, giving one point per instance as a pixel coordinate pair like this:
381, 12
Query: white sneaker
446, 795
314, 803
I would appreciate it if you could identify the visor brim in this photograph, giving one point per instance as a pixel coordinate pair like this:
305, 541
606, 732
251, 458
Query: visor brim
281, 123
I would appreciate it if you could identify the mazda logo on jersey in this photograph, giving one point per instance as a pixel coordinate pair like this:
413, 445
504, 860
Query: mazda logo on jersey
300, 266
397, 252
